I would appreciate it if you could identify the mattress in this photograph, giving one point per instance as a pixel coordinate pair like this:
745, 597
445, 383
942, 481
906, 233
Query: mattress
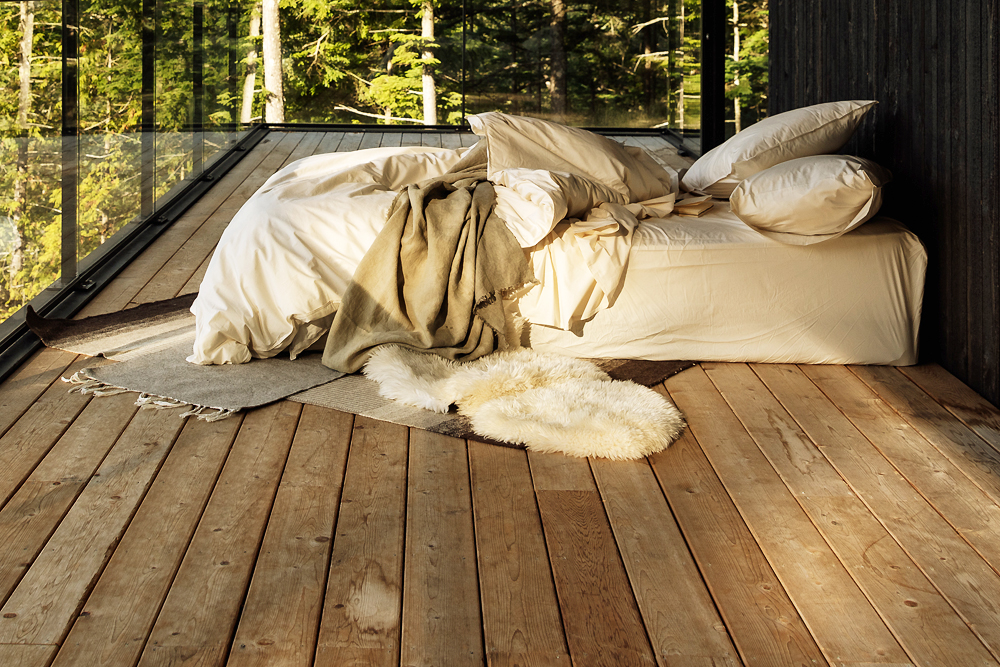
712, 289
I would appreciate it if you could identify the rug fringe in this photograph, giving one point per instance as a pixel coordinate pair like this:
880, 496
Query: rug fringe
84, 383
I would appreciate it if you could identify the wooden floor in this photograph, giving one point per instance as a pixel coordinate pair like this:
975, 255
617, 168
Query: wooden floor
808, 516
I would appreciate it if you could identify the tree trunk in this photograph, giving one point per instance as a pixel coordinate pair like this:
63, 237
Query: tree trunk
250, 82
27, 29
648, 35
427, 76
274, 107
558, 65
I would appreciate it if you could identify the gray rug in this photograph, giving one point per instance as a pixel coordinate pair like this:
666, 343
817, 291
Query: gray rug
151, 342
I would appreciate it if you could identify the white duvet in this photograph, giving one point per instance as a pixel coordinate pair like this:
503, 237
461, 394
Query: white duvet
571, 198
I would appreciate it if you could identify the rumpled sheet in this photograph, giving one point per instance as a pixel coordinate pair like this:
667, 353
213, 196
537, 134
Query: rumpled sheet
435, 276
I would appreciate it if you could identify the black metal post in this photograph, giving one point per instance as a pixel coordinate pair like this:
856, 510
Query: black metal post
198, 86
147, 128
70, 138
713, 74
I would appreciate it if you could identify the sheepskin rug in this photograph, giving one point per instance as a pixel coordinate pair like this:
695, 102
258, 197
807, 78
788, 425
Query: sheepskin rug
548, 403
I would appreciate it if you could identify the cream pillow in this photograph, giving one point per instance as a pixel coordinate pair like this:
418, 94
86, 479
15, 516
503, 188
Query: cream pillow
519, 142
532, 201
815, 130
810, 199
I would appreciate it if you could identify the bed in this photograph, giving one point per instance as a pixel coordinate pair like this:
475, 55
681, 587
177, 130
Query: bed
619, 274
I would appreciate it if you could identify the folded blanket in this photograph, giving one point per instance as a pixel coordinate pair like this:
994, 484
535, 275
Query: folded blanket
435, 275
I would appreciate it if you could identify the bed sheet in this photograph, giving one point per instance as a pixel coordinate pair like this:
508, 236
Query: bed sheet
712, 289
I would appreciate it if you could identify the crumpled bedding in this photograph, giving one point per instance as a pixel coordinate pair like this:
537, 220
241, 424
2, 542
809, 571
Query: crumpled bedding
435, 277
280, 270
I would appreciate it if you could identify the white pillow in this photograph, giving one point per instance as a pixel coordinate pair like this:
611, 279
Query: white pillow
518, 142
815, 130
810, 199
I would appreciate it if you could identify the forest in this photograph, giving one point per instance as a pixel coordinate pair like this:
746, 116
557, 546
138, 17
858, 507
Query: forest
219, 65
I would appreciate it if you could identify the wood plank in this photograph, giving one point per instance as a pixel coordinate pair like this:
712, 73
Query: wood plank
411, 138
26, 655
370, 140
600, 615
758, 614
972, 409
120, 611
681, 620
559, 472
964, 448
45, 603
22, 389
470, 139
362, 609
294, 558
840, 618
330, 142
176, 271
521, 623
391, 139
442, 623
350, 142
200, 611
432, 140
963, 577
451, 140
926, 625
962, 502
31, 516
31, 437
120, 292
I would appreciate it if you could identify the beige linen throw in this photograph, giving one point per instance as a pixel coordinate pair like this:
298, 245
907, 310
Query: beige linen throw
434, 277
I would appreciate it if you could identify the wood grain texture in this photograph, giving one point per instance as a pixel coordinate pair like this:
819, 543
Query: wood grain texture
968, 583
200, 611
964, 448
31, 437
761, 619
46, 601
602, 620
442, 623
26, 655
119, 612
291, 569
680, 618
962, 401
22, 389
521, 622
839, 616
362, 609
31, 516
927, 626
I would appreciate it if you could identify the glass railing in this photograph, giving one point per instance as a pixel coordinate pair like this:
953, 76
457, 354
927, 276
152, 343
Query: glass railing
110, 107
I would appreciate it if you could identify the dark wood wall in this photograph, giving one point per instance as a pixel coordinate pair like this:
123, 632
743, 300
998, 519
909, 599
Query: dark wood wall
933, 67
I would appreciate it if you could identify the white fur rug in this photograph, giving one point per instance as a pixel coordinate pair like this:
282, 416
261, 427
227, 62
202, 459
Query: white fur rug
548, 403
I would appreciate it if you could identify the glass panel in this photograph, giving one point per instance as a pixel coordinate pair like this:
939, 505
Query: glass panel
221, 104
110, 108
746, 64
174, 95
30, 150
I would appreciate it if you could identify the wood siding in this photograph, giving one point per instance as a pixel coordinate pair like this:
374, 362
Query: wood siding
933, 67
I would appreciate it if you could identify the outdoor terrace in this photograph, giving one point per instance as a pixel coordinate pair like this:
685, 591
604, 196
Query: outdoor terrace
808, 516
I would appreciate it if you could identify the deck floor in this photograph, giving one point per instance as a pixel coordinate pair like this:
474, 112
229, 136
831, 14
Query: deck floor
808, 516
